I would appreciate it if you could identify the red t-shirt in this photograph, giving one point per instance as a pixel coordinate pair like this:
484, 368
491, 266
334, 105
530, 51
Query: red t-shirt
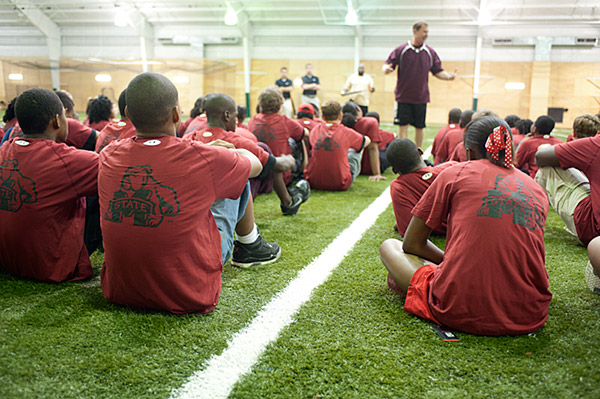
78, 134
198, 123
183, 127
42, 209
210, 133
493, 279
162, 245
584, 154
453, 137
247, 134
368, 126
115, 131
274, 130
528, 148
439, 137
98, 126
242, 125
310, 124
459, 154
386, 139
406, 190
328, 167
10, 123
570, 137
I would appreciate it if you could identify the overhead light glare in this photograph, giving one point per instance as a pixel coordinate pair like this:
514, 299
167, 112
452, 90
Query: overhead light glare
351, 16
514, 86
103, 78
121, 18
230, 16
15, 76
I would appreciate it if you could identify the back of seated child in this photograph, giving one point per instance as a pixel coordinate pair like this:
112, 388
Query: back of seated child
43, 185
477, 285
541, 130
453, 121
336, 151
453, 138
101, 112
116, 130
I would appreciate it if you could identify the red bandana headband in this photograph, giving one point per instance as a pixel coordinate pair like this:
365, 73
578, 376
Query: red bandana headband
500, 140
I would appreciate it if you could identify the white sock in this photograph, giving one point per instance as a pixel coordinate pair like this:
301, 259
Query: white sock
250, 238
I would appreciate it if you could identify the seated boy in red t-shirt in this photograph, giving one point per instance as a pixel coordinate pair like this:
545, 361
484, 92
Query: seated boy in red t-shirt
163, 249
540, 130
453, 138
414, 179
385, 138
572, 178
491, 279
284, 136
43, 183
336, 151
116, 130
453, 121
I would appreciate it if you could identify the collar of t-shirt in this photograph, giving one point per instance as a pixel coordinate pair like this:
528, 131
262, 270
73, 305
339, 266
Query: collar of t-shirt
416, 49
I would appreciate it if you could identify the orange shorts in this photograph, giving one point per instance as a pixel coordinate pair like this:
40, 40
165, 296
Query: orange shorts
417, 297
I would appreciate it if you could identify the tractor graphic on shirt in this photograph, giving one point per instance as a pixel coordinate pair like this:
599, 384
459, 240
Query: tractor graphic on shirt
142, 198
263, 132
511, 196
15, 189
326, 142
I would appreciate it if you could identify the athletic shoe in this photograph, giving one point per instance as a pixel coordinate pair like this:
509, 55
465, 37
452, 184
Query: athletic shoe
292, 208
593, 282
258, 253
303, 187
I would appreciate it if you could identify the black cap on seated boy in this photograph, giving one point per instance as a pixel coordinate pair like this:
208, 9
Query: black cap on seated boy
43, 183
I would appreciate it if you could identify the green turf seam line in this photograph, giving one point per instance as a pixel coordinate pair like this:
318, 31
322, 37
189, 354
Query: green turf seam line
221, 373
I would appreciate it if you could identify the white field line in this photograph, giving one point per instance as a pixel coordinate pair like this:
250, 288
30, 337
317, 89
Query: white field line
560, 135
221, 372
427, 152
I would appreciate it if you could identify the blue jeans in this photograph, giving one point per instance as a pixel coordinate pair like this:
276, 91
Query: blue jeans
227, 214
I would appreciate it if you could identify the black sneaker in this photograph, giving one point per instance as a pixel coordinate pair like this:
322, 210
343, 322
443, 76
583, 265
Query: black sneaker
258, 253
292, 208
302, 187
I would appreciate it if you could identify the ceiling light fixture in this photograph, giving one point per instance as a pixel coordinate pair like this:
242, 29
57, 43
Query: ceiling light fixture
351, 16
230, 16
103, 78
121, 17
15, 76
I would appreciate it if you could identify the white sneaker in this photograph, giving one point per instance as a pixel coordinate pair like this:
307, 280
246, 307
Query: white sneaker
592, 281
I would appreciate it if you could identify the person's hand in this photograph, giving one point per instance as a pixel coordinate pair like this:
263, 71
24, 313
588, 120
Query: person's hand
222, 143
452, 76
377, 178
387, 68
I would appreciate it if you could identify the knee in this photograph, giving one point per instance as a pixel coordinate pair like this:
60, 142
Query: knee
389, 247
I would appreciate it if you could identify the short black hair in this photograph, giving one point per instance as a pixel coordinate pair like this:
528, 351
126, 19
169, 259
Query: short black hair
524, 126
100, 109
512, 120
65, 99
35, 108
241, 113
301, 115
216, 104
454, 115
349, 120
373, 114
544, 124
198, 107
465, 117
477, 133
350, 107
10, 111
123, 103
150, 99
403, 155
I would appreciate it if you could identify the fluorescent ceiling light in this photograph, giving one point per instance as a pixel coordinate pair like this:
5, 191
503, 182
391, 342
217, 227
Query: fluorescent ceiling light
514, 86
351, 17
121, 18
230, 16
103, 78
15, 76
181, 79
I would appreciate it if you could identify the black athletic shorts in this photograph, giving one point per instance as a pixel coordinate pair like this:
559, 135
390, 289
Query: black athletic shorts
411, 114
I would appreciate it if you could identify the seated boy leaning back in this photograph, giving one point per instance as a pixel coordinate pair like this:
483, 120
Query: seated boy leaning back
162, 245
43, 183
477, 285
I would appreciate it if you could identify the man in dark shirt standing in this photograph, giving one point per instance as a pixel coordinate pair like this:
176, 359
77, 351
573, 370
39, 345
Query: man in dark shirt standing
414, 60
286, 87
310, 85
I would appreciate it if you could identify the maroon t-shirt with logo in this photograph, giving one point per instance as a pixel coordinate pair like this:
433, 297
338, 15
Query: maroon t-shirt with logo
368, 126
493, 279
439, 137
198, 123
114, 131
162, 245
328, 167
413, 66
42, 209
528, 148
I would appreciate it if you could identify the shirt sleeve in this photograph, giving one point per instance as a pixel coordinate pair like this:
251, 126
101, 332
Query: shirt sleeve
348, 84
230, 171
82, 168
242, 142
393, 58
296, 130
355, 139
433, 207
79, 135
577, 154
436, 65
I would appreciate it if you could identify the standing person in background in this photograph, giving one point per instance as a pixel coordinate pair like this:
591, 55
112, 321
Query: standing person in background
285, 86
361, 85
310, 85
414, 60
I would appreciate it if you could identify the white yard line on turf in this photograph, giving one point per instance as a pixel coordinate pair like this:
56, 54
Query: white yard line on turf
427, 152
221, 372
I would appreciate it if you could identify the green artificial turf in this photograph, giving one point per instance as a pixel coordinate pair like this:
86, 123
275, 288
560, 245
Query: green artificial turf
351, 340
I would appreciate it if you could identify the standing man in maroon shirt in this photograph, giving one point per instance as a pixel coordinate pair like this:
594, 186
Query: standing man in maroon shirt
414, 60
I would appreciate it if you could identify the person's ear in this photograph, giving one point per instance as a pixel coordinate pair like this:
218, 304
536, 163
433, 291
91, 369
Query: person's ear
574, 134
175, 115
420, 151
468, 152
55, 122
127, 112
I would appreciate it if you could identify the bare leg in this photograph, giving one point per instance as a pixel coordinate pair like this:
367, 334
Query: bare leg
403, 132
400, 265
246, 223
281, 189
594, 254
419, 136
